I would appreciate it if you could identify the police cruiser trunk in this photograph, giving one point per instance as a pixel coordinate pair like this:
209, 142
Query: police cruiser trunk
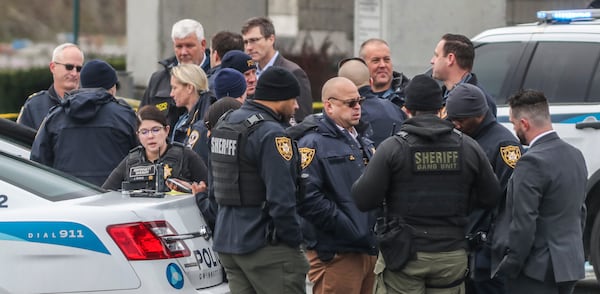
61, 235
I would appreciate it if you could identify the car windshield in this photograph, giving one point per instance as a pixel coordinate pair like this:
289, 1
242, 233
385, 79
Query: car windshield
43, 181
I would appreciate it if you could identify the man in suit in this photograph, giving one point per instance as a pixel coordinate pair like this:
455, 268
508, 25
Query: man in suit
259, 43
545, 206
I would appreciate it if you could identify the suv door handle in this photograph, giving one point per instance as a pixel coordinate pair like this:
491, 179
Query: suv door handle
588, 124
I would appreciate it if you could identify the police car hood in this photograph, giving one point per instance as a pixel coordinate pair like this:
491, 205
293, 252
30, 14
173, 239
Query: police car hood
83, 104
427, 126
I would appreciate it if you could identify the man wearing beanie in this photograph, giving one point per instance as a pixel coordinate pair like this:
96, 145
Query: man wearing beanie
467, 109
243, 63
90, 132
427, 177
255, 169
335, 151
230, 83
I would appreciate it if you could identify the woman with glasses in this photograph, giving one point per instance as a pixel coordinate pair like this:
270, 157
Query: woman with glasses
155, 156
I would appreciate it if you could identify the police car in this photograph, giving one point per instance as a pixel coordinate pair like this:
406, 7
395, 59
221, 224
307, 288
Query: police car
15, 138
559, 55
59, 234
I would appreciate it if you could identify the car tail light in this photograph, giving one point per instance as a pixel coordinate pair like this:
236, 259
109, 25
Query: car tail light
148, 240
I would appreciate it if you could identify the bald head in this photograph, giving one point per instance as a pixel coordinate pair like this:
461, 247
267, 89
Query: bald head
355, 71
334, 86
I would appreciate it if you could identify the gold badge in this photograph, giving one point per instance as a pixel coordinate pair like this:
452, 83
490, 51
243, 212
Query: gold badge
192, 138
162, 106
307, 155
284, 146
167, 171
510, 155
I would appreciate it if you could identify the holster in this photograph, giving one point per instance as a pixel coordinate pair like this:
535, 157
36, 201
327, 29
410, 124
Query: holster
394, 238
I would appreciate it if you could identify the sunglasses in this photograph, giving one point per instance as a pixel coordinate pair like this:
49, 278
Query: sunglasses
70, 67
350, 103
155, 131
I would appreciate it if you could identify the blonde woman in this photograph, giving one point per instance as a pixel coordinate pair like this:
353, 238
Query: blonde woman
189, 89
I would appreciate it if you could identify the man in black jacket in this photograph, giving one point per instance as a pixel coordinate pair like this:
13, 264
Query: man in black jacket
90, 132
429, 177
189, 45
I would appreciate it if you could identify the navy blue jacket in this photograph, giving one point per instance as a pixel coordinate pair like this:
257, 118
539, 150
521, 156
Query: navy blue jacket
333, 160
241, 230
158, 92
37, 107
381, 114
471, 78
196, 115
86, 136
395, 93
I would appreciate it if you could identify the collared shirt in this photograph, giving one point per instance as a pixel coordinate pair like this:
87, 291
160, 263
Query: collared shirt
353, 133
541, 135
270, 63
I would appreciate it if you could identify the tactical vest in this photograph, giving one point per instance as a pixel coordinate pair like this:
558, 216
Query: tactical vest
142, 174
231, 170
434, 185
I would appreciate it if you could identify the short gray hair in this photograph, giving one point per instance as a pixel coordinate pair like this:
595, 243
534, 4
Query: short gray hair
186, 27
57, 53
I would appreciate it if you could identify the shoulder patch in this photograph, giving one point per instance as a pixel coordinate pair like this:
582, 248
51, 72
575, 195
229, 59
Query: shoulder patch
192, 138
307, 155
510, 155
284, 147
162, 106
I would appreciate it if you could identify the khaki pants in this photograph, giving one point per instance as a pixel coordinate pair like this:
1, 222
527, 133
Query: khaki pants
348, 273
424, 275
271, 269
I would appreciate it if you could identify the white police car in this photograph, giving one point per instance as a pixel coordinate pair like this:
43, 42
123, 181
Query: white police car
61, 235
559, 55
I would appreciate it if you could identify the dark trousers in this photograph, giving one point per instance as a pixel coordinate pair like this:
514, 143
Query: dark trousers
526, 285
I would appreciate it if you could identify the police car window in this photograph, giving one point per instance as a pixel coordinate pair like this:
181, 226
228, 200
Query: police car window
562, 70
42, 181
594, 95
493, 63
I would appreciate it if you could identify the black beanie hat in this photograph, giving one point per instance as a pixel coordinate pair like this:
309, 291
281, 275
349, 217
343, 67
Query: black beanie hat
229, 82
238, 60
277, 84
466, 100
423, 93
98, 74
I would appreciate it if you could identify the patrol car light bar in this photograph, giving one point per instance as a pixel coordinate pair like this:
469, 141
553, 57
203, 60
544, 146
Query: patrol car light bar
567, 15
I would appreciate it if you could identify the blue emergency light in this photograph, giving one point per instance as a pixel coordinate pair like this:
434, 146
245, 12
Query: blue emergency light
568, 15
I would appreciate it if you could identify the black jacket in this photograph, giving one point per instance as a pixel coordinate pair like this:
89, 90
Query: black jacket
394, 173
87, 135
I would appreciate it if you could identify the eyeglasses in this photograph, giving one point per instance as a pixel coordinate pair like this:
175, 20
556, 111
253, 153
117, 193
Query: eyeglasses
155, 131
252, 40
70, 67
350, 103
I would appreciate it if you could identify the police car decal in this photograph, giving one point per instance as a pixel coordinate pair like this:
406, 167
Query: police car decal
57, 233
175, 276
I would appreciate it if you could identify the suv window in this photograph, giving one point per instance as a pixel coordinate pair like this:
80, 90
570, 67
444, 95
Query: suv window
553, 66
494, 63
